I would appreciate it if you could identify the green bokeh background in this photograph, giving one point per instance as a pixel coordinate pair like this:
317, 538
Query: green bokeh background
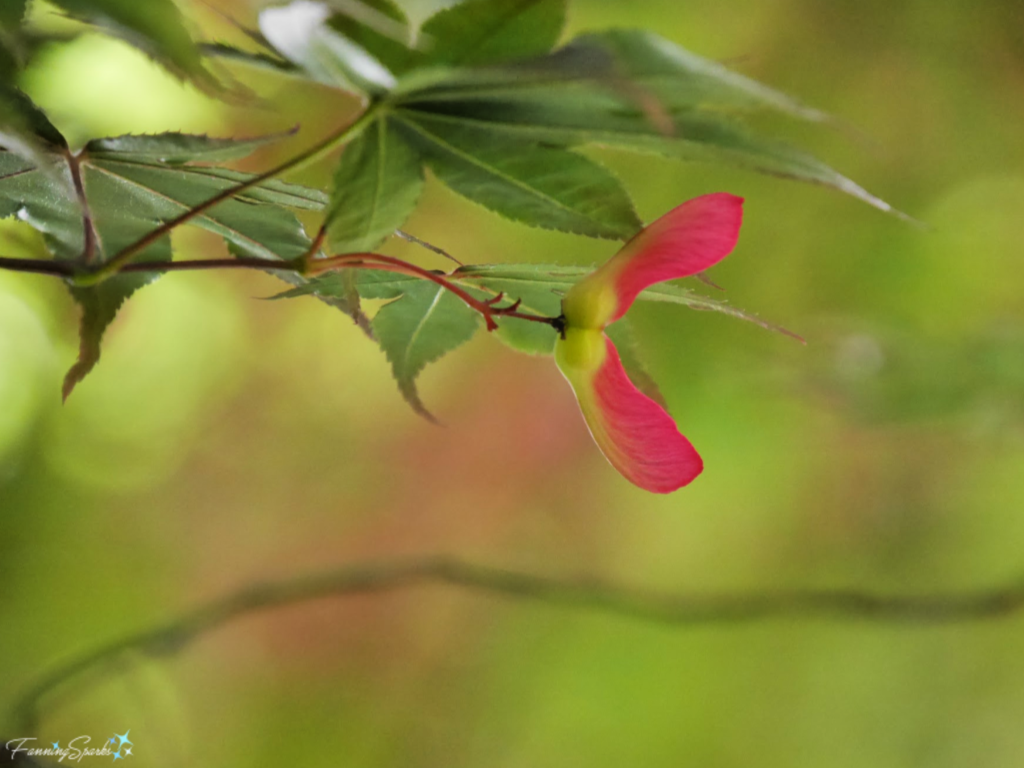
225, 440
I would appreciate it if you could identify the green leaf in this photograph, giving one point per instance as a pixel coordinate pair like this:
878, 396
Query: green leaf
47, 204
539, 287
644, 72
367, 44
696, 136
382, 284
533, 280
422, 322
337, 289
541, 186
301, 34
675, 294
370, 283
361, 47
26, 131
423, 325
681, 80
494, 31
639, 93
621, 334
154, 26
10, 62
380, 28
12, 12
537, 297
568, 115
18, 111
565, 65
376, 187
100, 304
179, 148
252, 220
271, 192
255, 59
127, 198
343, 294
20, 44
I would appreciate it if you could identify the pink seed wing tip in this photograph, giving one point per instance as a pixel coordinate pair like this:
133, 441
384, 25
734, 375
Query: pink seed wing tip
685, 241
637, 435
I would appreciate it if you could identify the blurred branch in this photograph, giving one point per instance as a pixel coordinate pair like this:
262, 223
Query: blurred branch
656, 607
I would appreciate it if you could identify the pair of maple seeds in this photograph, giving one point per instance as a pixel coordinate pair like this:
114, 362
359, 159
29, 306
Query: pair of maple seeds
635, 433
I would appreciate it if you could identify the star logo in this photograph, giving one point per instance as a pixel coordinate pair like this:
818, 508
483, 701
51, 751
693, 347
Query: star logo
122, 744
56, 745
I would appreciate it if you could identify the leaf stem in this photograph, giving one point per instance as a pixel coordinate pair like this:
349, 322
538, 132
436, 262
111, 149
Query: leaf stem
125, 255
424, 244
89, 238
319, 266
357, 260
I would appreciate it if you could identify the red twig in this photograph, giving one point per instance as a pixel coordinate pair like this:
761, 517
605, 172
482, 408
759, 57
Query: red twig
392, 264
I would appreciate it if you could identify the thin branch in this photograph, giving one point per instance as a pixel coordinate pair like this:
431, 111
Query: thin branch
39, 266
359, 260
378, 261
69, 269
680, 610
304, 265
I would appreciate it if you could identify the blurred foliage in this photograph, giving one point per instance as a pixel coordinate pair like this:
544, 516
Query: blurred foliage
227, 440
479, 94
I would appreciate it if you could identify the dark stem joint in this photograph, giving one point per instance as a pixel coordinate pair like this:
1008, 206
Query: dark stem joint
558, 323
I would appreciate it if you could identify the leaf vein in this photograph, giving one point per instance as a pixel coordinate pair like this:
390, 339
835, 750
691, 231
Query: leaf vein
184, 207
419, 327
532, 191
